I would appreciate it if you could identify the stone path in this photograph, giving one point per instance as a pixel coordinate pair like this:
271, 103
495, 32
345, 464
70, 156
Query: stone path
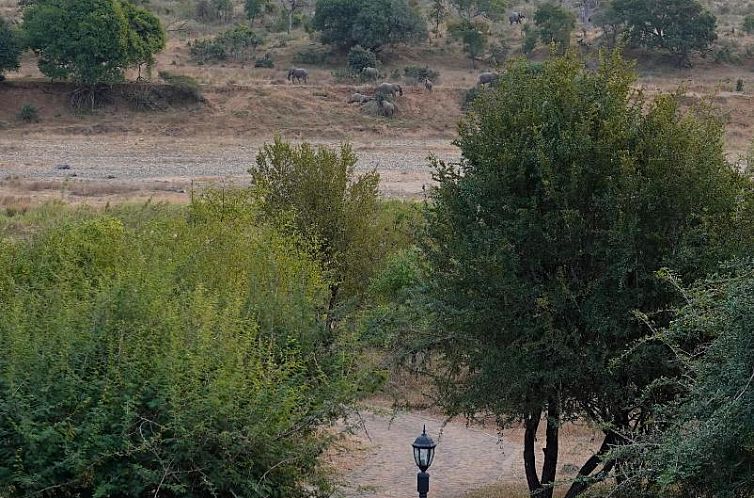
466, 458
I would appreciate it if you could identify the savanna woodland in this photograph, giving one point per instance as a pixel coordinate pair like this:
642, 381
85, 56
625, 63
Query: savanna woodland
233, 234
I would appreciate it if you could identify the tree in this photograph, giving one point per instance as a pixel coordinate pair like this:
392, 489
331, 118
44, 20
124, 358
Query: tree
10, 48
317, 194
145, 36
703, 443
748, 24
473, 35
678, 26
543, 247
468, 10
372, 24
91, 41
291, 7
555, 25
223, 9
438, 12
254, 8
610, 21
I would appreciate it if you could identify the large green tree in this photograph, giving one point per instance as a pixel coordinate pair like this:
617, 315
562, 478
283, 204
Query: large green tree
473, 36
544, 242
10, 48
90, 41
372, 24
555, 25
679, 26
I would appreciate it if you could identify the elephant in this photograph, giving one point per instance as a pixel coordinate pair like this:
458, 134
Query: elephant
428, 84
516, 18
389, 89
370, 73
487, 78
298, 74
386, 108
359, 98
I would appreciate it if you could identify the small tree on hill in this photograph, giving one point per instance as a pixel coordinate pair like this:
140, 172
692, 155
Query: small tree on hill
291, 7
469, 10
10, 48
555, 25
360, 58
254, 8
438, 12
678, 26
474, 37
145, 36
372, 24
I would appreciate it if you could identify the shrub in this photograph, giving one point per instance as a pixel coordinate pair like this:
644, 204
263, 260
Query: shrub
10, 48
182, 87
28, 114
420, 73
162, 349
469, 97
239, 43
748, 24
265, 61
739, 85
311, 55
359, 58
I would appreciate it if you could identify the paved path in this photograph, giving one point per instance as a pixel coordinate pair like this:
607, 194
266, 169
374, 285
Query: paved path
466, 458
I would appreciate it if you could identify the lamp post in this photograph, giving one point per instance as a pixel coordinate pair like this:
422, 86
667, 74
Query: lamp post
424, 453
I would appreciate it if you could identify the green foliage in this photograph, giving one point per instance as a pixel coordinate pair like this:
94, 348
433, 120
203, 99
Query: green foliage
239, 44
184, 87
266, 61
610, 21
315, 193
473, 35
371, 24
679, 26
360, 58
254, 8
420, 73
748, 24
91, 41
555, 25
545, 240
438, 12
10, 48
530, 40
739, 85
468, 10
311, 55
28, 114
164, 351
703, 444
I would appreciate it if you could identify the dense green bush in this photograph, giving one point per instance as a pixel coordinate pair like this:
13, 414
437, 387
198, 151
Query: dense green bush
360, 58
239, 43
311, 55
28, 113
182, 87
420, 73
10, 48
162, 351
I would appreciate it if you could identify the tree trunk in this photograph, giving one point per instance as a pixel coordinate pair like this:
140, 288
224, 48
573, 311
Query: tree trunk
550, 466
582, 483
530, 458
290, 20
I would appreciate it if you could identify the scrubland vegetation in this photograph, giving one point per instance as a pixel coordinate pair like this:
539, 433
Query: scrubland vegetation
587, 258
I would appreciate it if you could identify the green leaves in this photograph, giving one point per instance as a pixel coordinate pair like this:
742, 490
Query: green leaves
91, 41
10, 47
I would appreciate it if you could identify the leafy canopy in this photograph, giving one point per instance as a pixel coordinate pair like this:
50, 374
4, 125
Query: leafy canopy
555, 25
468, 10
10, 48
544, 243
372, 24
91, 41
679, 26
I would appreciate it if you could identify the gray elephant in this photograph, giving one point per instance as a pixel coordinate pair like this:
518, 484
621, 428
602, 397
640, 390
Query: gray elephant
386, 108
487, 78
428, 84
516, 18
389, 89
370, 73
298, 74
359, 98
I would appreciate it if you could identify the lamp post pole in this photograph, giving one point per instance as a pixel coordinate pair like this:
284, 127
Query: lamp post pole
424, 453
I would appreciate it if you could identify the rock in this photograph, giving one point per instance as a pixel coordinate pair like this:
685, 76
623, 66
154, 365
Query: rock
62, 166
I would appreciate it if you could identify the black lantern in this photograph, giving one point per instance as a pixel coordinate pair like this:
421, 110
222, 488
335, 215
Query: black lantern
424, 453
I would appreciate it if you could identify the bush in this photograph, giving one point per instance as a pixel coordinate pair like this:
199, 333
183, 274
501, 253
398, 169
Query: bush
10, 48
164, 349
265, 61
420, 73
748, 24
239, 43
470, 96
183, 87
313, 56
739, 85
359, 58
28, 114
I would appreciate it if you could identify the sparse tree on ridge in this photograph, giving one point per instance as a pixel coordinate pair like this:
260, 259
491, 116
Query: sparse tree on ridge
469, 10
10, 48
